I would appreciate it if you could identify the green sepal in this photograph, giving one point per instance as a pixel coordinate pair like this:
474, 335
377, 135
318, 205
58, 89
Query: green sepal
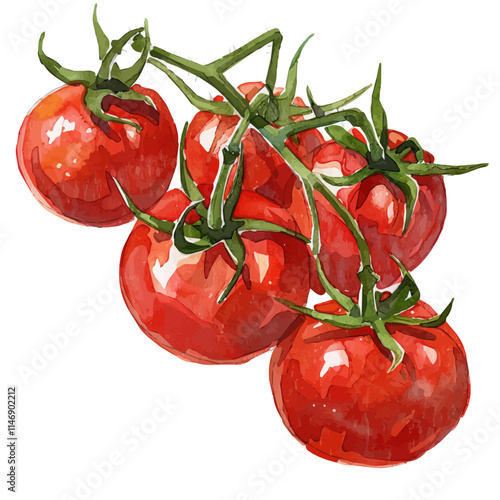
261, 225
235, 191
85, 78
410, 189
403, 298
352, 115
341, 136
180, 241
389, 343
345, 101
436, 169
115, 50
384, 163
284, 101
158, 224
200, 103
130, 75
434, 322
300, 110
340, 321
93, 101
379, 116
306, 110
236, 250
102, 39
349, 180
413, 145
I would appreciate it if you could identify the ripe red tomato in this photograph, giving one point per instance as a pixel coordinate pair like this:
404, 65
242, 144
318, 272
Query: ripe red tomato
270, 192
67, 156
173, 296
333, 392
379, 208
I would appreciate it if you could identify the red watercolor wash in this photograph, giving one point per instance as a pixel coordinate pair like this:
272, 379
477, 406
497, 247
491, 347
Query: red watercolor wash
68, 157
379, 209
173, 296
271, 191
333, 392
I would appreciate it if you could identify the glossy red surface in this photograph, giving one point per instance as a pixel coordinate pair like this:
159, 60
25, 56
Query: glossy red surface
173, 296
333, 392
68, 161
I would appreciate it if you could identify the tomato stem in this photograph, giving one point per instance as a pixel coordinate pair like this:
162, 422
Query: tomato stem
367, 277
116, 48
202, 104
188, 185
340, 321
208, 73
273, 36
236, 249
102, 39
307, 176
389, 343
231, 154
354, 116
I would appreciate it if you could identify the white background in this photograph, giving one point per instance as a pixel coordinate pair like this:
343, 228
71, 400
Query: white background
224, 439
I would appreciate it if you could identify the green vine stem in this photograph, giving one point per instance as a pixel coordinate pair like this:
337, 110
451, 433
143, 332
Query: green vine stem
273, 137
280, 110
213, 73
231, 154
366, 276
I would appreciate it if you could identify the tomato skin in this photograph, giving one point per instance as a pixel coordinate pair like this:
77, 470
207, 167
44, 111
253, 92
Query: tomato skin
270, 192
173, 296
379, 209
68, 160
333, 392
384, 234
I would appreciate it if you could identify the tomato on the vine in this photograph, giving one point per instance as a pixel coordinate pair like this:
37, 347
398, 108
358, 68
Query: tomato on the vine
334, 393
379, 209
174, 296
68, 156
271, 191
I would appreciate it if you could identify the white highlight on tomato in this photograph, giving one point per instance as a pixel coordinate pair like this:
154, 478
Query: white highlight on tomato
131, 132
262, 263
431, 354
61, 125
334, 359
164, 272
207, 137
330, 168
390, 211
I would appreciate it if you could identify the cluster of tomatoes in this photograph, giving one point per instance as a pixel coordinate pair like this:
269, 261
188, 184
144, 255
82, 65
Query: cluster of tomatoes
278, 198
